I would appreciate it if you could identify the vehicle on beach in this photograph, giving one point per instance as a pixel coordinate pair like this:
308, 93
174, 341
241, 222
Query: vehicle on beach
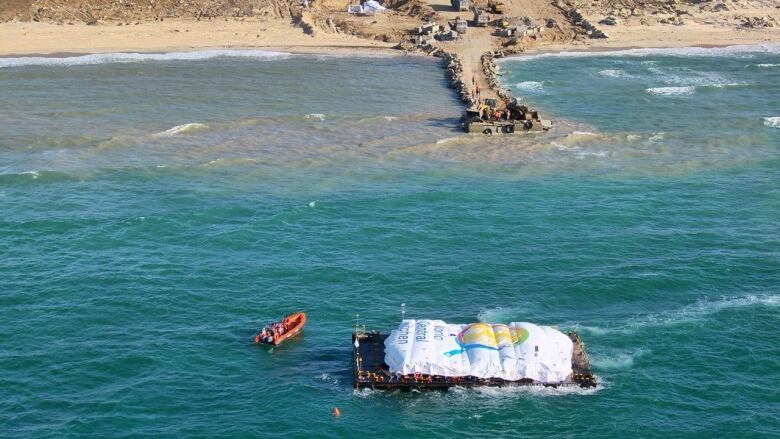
276, 333
481, 17
496, 7
488, 119
432, 354
461, 5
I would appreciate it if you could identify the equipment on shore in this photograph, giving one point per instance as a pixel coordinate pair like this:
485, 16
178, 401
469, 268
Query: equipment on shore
461, 5
459, 25
276, 333
481, 17
432, 354
496, 7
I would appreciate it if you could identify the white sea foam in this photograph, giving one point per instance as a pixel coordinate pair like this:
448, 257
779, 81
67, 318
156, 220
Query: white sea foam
702, 309
182, 129
583, 154
615, 73
108, 58
512, 392
765, 65
315, 116
671, 91
327, 378
447, 140
657, 137
692, 313
493, 315
595, 330
689, 314
679, 51
530, 86
618, 360
507, 314
772, 122
687, 77
724, 85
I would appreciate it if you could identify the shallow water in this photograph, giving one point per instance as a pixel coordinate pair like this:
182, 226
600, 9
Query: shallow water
155, 213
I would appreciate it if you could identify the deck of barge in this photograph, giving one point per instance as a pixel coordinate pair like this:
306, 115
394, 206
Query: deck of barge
371, 371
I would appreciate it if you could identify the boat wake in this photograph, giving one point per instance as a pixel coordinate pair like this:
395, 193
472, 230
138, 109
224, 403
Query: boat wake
618, 360
690, 314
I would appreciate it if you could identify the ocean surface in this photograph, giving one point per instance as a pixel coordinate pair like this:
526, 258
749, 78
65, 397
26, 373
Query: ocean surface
156, 210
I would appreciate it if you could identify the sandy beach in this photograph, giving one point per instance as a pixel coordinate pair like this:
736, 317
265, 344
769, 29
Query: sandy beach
32, 38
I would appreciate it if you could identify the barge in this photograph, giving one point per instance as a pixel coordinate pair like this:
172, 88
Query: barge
371, 370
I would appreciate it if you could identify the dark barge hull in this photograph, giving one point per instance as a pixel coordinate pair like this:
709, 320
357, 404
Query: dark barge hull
371, 372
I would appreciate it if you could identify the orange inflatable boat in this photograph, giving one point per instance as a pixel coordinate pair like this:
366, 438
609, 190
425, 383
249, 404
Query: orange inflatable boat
276, 333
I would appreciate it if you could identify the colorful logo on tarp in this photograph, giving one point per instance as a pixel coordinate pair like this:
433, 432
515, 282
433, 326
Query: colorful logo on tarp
486, 336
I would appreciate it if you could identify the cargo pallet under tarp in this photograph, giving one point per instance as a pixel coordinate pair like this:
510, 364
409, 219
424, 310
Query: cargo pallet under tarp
371, 371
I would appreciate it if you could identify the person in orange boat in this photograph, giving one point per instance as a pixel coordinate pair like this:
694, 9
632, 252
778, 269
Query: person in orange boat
265, 336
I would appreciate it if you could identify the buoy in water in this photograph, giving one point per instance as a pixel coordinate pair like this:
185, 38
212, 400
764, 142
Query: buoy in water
336, 412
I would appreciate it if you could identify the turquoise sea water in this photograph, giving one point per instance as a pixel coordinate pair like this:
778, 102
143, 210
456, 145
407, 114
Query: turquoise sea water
154, 214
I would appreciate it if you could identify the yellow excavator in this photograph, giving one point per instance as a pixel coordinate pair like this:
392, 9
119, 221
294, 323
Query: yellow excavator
496, 7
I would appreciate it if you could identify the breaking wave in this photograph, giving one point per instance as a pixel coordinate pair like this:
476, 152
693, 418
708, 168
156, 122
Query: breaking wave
109, 58
671, 91
724, 85
772, 122
615, 73
182, 129
315, 116
530, 86
679, 51
685, 81
657, 137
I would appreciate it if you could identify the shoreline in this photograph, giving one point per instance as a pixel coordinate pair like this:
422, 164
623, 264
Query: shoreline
334, 51
369, 51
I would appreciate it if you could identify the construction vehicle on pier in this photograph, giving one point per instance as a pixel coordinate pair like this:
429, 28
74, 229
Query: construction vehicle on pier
488, 119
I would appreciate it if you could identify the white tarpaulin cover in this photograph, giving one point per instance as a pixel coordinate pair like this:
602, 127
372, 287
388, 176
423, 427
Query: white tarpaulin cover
371, 6
511, 352
368, 7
